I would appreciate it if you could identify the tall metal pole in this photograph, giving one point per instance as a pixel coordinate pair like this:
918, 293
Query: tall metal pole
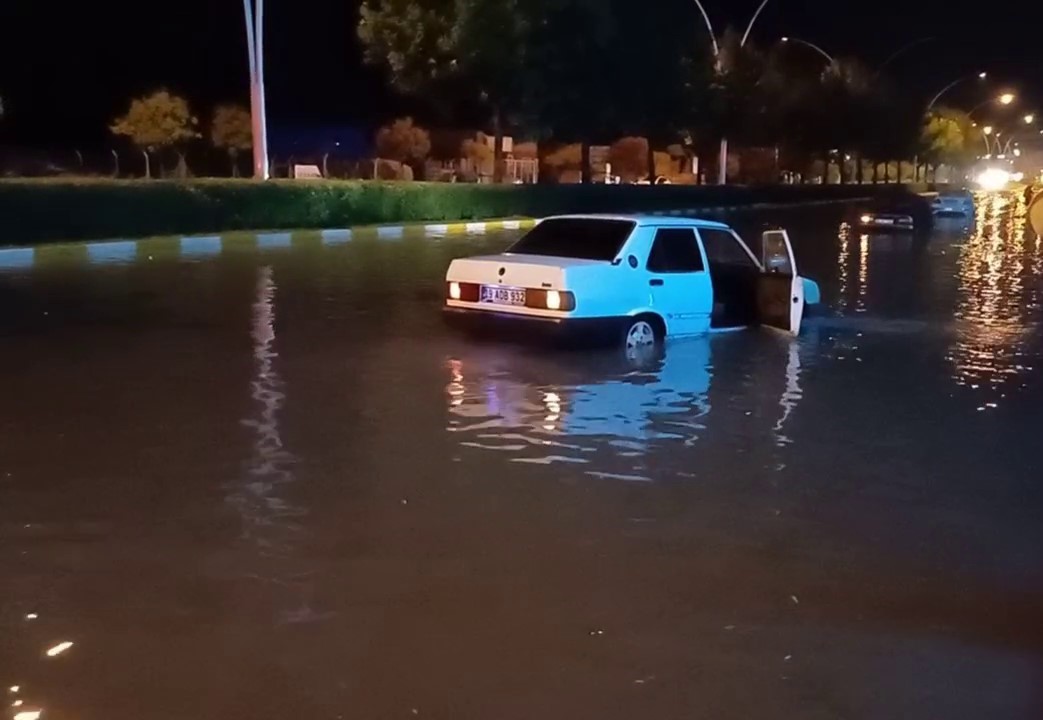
829, 58
722, 160
258, 118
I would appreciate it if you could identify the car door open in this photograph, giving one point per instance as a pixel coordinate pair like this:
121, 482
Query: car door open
780, 291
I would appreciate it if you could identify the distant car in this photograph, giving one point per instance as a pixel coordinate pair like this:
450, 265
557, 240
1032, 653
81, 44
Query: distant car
953, 204
636, 280
896, 212
886, 221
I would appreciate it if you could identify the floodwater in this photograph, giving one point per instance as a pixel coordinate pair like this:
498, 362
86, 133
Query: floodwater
267, 483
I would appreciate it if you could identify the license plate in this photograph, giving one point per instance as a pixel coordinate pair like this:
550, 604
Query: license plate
502, 295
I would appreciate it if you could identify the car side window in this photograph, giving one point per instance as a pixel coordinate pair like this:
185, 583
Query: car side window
675, 250
723, 249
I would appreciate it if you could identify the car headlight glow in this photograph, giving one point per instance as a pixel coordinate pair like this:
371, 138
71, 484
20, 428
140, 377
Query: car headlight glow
454, 290
553, 300
993, 179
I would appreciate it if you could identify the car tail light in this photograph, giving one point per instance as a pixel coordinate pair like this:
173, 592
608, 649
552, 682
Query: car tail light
550, 300
468, 292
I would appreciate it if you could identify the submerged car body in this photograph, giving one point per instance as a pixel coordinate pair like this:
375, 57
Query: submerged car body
636, 279
953, 204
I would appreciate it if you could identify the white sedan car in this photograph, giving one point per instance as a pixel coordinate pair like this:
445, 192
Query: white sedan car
633, 279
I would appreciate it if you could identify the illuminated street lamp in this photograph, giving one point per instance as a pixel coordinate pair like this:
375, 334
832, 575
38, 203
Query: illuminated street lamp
1007, 98
987, 129
950, 86
1029, 119
829, 58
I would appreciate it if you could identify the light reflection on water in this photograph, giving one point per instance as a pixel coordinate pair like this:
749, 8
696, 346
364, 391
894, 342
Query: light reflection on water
627, 408
271, 525
835, 438
998, 303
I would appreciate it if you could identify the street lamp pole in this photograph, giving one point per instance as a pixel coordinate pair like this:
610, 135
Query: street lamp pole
829, 58
950, 86
254, 17
902, 50
722, 161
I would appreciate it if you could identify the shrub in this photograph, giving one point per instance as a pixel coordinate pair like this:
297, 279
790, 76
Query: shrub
403, 141
55, 210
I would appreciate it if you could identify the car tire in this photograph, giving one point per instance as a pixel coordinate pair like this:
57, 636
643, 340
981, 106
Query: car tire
642, 331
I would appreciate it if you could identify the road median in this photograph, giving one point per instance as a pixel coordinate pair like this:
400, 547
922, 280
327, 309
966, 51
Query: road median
57, 210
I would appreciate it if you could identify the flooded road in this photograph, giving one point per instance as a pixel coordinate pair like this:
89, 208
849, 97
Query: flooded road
269, 484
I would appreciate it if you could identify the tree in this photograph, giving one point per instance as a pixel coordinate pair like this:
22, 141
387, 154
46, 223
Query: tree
436, 47
479, 155
948, 138
629, 158
571, 85
403, 141
231, 131
157, 121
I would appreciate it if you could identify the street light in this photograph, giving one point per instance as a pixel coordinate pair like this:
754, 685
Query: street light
722, 170
253, 11
950, 86
1029, 119
813, 46
1004, 99
987, 129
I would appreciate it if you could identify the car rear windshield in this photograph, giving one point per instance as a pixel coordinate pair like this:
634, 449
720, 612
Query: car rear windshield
580, 238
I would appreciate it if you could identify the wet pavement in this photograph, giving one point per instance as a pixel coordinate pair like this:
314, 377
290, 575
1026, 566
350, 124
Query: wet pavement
270, 484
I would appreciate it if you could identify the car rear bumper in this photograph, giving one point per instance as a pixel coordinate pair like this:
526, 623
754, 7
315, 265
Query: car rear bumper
876, 226
529, 328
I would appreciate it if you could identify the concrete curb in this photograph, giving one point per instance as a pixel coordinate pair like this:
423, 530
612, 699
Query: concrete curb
194, 246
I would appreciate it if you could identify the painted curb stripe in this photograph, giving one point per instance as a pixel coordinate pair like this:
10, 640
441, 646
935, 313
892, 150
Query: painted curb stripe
123, 251
116, 251
335, 236
14, 258
274, 240
201, 246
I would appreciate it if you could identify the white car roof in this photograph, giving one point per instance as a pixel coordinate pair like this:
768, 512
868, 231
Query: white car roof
647, 220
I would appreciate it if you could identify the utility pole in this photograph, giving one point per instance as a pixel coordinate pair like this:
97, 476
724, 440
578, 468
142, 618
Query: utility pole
253, 11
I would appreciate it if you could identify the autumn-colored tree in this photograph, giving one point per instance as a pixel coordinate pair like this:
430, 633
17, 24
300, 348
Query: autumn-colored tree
158, 121
479, 154
948, 138
629, 158
231, 131
403, 141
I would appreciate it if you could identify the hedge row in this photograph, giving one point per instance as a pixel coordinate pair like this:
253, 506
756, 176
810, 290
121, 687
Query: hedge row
35, 211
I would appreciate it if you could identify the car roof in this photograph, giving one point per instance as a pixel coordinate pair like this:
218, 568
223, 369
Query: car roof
643, 220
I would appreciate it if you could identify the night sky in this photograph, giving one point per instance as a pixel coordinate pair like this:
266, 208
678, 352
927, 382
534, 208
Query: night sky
66, 68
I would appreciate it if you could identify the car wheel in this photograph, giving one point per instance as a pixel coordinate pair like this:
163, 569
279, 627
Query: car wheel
640, 333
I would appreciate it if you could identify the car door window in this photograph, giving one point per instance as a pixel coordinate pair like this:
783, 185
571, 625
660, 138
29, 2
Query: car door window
722, 249
675, 250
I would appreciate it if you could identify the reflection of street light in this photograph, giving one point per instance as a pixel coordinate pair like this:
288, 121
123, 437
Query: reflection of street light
811, 45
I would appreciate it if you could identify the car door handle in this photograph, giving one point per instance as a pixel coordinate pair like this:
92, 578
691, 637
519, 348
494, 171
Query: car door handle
655, 283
